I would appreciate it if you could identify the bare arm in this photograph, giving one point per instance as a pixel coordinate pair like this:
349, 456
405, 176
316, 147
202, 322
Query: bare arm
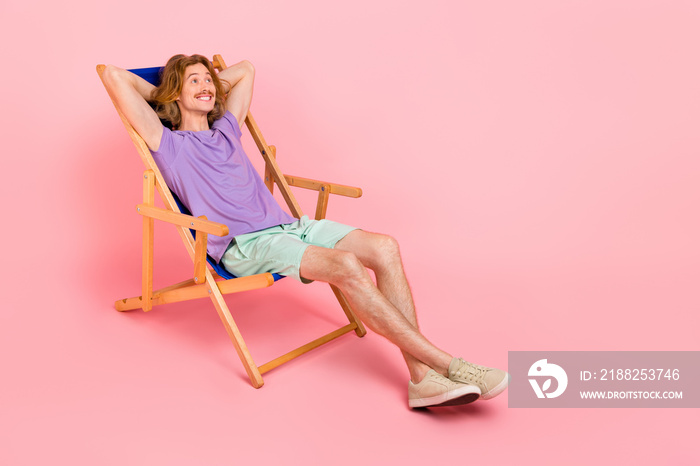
131, 93
240, 76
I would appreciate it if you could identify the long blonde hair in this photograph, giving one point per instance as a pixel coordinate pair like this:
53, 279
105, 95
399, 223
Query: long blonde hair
172, 78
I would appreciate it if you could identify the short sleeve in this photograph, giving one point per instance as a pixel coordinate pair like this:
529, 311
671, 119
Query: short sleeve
228, 124
166, 153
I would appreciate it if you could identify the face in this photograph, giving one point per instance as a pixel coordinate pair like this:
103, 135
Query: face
198, 91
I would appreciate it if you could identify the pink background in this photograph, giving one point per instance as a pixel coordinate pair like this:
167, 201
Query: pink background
538, 162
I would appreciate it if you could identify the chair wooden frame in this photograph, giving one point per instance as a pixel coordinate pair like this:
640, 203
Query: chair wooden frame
207, 282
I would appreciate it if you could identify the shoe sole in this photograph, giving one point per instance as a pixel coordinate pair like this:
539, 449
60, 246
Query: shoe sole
461, 396
462, 400
498, 389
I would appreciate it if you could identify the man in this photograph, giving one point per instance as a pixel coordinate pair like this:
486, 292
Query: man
203, 162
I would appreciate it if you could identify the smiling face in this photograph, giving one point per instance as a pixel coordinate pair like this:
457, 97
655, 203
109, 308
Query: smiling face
198, 91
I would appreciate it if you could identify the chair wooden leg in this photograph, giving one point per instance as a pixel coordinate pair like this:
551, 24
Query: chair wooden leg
148, 227
232, 329
306, 348
360, 329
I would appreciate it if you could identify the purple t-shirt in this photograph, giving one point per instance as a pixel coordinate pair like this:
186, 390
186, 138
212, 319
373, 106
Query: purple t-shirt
212, 176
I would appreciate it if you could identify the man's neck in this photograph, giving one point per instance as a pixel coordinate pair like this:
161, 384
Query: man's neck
191, 122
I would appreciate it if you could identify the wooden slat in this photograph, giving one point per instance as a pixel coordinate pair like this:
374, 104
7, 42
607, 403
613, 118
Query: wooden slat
316, 185
187, 290
200, 255
128, 304
306, 348
342, 300
147, 242
172, 296
269, 180
218, 62
206, 226
233, 332
235, 285
322, 204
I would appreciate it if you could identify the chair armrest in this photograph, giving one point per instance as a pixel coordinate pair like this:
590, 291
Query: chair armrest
324, 189
198, 224
315, 185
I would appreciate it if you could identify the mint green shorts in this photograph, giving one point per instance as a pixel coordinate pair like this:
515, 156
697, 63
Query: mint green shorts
279, 249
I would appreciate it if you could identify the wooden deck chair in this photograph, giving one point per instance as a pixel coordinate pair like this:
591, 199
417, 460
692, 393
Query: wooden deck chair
216, 282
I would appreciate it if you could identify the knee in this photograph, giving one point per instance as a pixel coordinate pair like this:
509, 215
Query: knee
389, 245
386, 251
350, 271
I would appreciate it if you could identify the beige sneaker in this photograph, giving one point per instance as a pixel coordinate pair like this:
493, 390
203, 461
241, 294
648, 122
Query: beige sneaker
436, 390
490, 381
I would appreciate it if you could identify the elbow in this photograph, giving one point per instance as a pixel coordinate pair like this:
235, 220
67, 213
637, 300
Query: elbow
250, 69
111, 74
110, 71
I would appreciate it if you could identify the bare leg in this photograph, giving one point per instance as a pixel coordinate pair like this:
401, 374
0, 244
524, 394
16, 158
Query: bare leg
381, 254
392, 314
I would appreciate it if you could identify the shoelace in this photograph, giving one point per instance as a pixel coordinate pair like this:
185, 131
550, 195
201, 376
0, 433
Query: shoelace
472, 372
